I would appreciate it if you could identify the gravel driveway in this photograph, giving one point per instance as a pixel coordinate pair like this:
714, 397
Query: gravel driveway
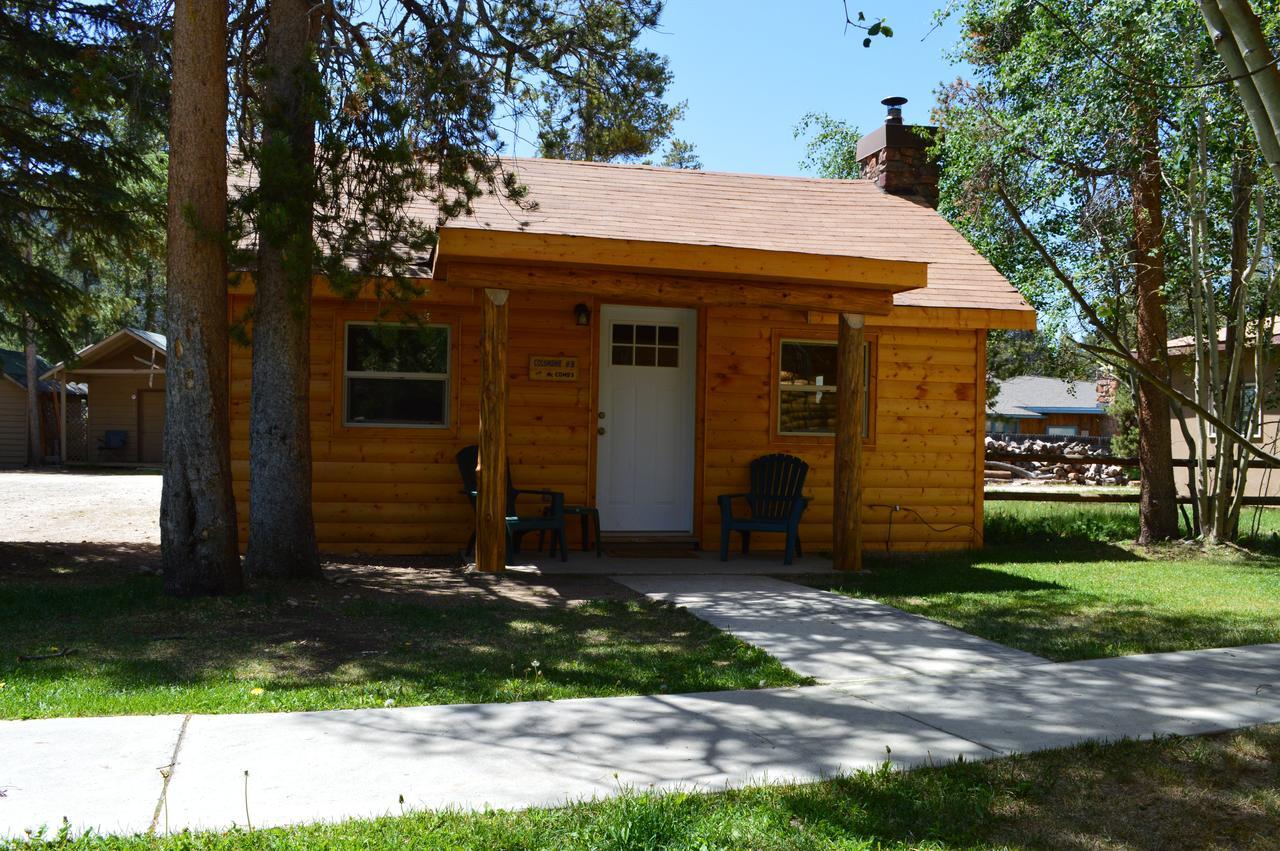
74, 507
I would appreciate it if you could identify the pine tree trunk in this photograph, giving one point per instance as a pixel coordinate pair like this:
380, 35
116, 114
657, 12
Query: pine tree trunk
197, 511
1158, 505
282, 539
35, 439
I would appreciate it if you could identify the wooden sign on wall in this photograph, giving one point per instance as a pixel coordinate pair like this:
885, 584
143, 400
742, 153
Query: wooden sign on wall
548, 368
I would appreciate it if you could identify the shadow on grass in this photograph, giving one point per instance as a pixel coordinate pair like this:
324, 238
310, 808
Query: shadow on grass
140, 651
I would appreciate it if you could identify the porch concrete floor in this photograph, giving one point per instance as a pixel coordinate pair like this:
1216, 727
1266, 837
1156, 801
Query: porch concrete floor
698, 563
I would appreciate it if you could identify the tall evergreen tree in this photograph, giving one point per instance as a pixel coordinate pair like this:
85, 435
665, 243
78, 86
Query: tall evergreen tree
80, 102
392, 109
77, 102
282, 538
603, 117
197, 510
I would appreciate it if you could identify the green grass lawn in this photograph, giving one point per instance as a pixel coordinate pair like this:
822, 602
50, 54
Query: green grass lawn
1220, 791
1011, 522
1057, 581
137, 651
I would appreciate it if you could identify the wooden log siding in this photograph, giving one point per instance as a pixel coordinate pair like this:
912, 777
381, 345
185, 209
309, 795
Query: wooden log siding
397, 491
922, 453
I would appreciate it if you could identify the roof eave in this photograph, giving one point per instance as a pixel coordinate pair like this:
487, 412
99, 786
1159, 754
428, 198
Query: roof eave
105, 343
458, 242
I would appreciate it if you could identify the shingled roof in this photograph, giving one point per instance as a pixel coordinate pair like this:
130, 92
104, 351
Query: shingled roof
824, 218
1034, 396
849, 218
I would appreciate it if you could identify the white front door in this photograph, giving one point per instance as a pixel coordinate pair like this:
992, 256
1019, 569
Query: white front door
645, 448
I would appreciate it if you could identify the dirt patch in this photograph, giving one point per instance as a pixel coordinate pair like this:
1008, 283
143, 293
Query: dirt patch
37, 563
444, 580
429, 580
115, 506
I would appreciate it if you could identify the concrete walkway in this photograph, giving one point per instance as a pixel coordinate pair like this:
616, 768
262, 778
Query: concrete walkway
828, 636
109, 773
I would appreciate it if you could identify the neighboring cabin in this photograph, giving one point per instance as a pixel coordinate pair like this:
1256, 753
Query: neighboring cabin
13, 410
1053, 407
124, 376
661, 328
1264, 431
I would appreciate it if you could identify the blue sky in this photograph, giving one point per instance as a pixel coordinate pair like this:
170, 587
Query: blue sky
751, 69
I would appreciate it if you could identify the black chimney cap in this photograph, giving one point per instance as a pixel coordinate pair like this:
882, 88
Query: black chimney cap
895, 109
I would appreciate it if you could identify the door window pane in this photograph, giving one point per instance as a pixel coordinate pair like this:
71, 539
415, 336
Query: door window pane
645, 345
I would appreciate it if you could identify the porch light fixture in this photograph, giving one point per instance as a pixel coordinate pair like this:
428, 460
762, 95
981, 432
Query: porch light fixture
582, 314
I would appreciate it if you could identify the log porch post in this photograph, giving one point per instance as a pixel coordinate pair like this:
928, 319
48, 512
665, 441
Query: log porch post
62, 421
847, 515
491, 508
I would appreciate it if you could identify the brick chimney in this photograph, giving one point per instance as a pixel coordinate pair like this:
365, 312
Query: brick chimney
893, 156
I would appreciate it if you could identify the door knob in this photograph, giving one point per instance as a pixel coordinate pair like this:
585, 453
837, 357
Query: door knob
600, 414
600, 430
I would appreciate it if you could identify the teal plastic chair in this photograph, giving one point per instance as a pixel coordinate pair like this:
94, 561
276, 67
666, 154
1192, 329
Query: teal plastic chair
776, 502
551, 520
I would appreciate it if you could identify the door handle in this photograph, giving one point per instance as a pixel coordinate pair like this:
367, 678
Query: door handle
600, 430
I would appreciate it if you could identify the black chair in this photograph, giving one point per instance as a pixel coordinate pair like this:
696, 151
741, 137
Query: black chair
551, 520
776, 502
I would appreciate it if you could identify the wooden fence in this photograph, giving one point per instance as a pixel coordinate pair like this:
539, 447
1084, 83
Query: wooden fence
1109, 460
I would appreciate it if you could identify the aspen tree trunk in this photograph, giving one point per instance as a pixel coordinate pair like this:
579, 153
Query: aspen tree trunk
282, 538
1237, 35
1158, 506
197, 510
1227, 483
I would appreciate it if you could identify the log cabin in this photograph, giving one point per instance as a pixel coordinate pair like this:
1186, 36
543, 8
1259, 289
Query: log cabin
1051, 407
123, 376
642, 335
14, 428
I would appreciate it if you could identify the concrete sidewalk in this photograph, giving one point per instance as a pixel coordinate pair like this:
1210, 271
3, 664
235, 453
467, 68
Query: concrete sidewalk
108, 773
828, 636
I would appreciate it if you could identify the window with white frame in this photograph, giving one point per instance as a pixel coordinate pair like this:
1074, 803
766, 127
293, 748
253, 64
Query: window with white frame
807, 388
1061, 430
396, 375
